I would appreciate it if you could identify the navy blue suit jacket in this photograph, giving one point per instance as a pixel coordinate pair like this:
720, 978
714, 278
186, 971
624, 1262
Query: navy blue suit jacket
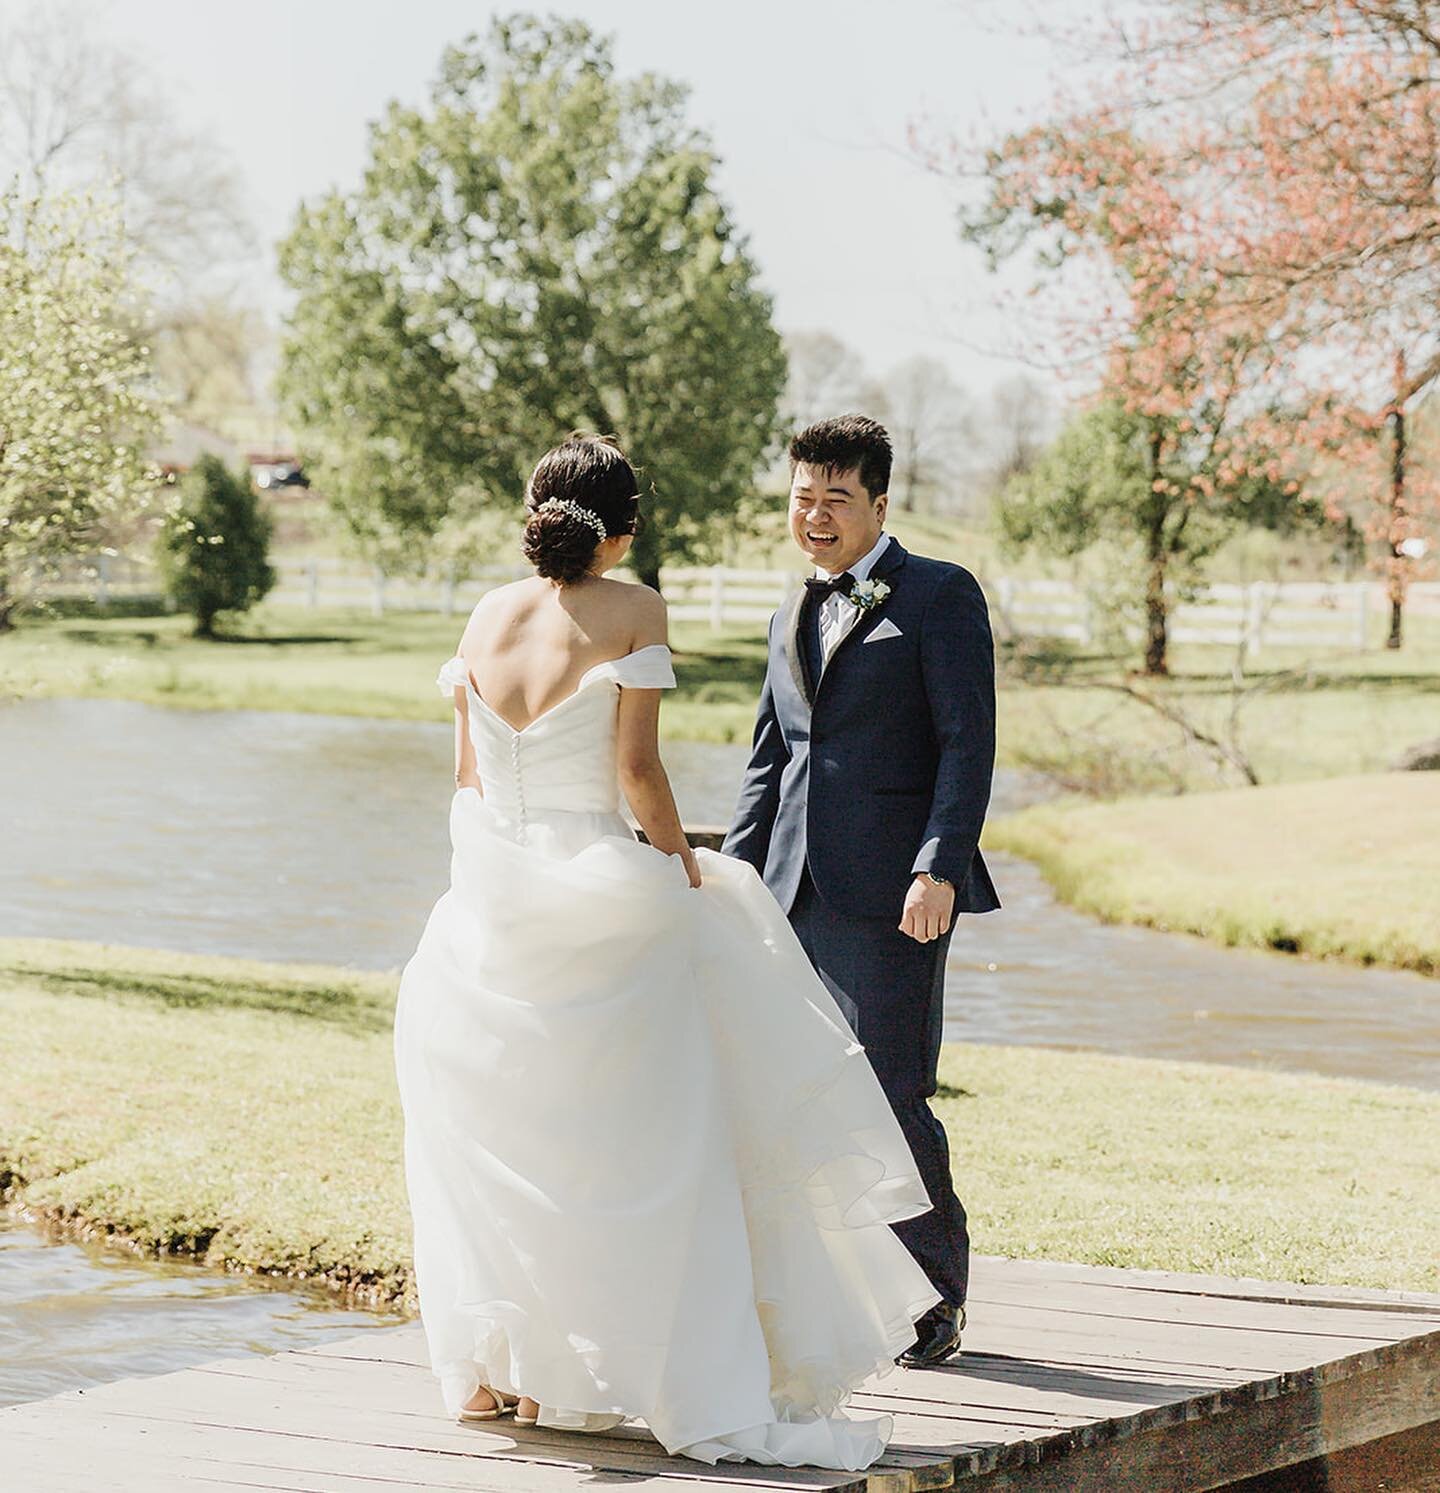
881, 767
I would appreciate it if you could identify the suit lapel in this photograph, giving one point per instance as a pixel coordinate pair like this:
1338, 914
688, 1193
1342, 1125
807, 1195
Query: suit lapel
884, 568
794, 651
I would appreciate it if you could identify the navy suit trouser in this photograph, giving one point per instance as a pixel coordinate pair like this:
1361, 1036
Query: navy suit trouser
891, 989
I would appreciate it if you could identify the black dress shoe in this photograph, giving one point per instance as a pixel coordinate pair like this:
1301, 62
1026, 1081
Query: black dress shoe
937, 1336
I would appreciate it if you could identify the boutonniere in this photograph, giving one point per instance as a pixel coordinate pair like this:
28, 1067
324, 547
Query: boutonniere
865, 596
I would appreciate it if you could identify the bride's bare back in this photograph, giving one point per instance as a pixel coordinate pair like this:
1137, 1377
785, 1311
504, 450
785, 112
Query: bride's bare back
527, 647
529, 644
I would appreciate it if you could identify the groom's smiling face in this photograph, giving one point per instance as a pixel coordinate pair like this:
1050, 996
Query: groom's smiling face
832, 517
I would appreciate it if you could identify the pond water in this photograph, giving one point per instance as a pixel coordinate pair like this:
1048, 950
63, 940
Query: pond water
1039, 973
73, 1315
322, 838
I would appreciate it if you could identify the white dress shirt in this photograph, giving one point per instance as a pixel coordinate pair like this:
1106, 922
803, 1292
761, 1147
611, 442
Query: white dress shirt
837, 614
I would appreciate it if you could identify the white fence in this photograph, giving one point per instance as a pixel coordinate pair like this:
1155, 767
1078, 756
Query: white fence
340, 583
711, 594
1264, 614
695, 594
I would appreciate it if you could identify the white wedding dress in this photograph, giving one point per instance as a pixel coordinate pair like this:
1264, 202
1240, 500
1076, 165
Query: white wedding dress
649, 1166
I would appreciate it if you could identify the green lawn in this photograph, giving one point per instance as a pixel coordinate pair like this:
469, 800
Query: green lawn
245, 1112
1307, 717
1347, 868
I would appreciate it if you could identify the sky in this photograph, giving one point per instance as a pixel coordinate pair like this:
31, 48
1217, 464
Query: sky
808, 104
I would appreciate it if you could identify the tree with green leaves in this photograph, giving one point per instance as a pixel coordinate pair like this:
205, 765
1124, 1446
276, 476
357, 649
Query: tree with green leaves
1156, 496
538, 249
213, 548
75, 403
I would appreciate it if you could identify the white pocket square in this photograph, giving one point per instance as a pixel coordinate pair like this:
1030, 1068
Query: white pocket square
885, 628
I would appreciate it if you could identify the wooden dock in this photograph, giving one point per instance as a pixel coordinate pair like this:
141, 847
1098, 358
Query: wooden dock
1072, 1378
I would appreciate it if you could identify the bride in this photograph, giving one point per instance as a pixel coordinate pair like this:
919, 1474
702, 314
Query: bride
650, 1169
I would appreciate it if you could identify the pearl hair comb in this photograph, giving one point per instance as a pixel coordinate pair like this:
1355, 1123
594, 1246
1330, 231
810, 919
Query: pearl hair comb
574, 510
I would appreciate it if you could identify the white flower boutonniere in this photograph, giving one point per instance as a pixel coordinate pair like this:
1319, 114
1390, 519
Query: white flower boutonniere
866, 595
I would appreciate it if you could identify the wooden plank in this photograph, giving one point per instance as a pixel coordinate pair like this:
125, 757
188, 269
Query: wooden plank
1051, 1396
65, 1466
988, 1269
236, 1448
1026, 1328
228, 1404
115, 1441
388, 1344
1407, 1463
1101, 1383
1216, 1444
1325, 1324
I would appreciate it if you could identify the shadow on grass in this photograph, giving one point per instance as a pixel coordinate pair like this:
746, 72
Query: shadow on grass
93, 638
1427, 684
953, 1091
1061, 663
96, 638
1057, 653
1316, 680
352, 1010
64, 607
279, 639
724, 673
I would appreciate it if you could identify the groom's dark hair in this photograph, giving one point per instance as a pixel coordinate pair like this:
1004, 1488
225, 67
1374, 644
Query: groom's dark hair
843, 444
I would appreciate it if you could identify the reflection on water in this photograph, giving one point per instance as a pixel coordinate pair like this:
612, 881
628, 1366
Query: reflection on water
323, 838
236, 832
73, 1315
1039, 973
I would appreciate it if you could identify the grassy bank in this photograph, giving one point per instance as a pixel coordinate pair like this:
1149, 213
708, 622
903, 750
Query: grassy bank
245, 1112
1348, 868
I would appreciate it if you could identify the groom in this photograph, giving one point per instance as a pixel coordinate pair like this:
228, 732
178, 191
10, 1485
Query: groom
866, 790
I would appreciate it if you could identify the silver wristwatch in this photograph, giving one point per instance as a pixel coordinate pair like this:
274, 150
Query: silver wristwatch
933, 879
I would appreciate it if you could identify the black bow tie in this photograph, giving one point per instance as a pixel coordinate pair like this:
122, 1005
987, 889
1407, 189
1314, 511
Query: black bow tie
844, 583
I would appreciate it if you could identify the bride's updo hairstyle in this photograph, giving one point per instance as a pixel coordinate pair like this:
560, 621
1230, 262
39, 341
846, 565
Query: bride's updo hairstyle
580, 493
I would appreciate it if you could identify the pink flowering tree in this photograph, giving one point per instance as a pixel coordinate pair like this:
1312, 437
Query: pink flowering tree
1186, 438
1252, 190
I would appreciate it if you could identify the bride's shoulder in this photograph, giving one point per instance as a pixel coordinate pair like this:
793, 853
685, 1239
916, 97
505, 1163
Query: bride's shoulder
647, 619
512, 597
621, 616
636, 605
509, 593
495, 612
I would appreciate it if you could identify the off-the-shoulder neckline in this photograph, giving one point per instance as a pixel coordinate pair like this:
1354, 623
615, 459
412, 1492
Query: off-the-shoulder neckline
590, 674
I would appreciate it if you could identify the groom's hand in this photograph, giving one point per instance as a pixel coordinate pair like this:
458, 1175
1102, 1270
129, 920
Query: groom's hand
928, 909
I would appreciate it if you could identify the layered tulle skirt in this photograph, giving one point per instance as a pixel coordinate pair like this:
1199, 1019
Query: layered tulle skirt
650, 1169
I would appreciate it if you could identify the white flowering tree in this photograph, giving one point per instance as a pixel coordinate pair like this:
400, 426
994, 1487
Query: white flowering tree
76, 405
